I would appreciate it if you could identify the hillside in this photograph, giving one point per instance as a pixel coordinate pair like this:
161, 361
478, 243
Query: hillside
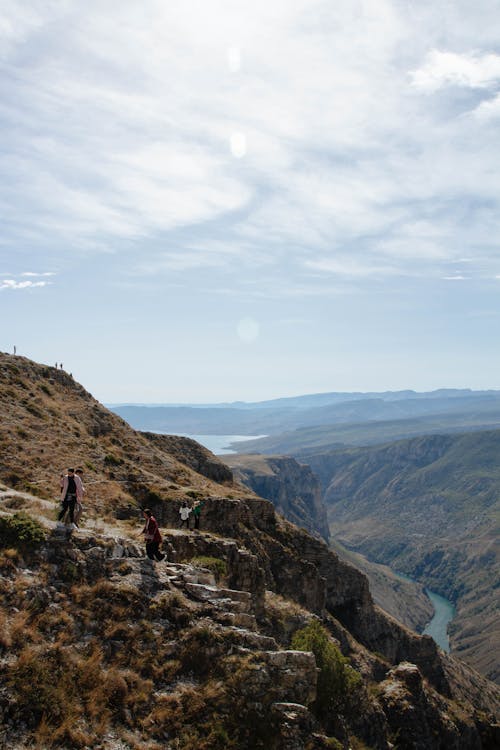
218, 647
370, 432
50, 422
428, 507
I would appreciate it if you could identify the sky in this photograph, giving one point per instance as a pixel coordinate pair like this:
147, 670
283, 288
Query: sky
216, 200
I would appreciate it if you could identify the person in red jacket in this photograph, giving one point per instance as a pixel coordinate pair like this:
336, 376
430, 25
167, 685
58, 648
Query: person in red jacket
152, 536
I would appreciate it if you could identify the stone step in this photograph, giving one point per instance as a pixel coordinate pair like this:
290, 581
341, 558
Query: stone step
253, 640
238, 619
236, 601
189, 574
242, 639
229, 605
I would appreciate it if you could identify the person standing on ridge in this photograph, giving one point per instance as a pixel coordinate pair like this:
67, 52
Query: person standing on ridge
72, 491
184, 512
197, 506
152, 536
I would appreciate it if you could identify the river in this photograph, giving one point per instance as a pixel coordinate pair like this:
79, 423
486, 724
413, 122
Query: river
444, 612
437, 628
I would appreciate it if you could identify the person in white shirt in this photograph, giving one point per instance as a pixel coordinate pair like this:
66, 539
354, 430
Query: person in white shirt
184, 512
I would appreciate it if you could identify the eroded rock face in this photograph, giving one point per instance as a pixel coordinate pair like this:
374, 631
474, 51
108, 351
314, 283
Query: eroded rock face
192, 454
344, 592
292, 488
422, 718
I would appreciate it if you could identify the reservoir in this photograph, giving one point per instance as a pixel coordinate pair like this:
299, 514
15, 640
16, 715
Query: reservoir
219, 444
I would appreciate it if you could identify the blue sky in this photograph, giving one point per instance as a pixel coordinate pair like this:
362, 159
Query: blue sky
216, 200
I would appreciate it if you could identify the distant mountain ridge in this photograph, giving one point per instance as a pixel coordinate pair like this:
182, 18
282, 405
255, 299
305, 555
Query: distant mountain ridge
310, 412
318, 399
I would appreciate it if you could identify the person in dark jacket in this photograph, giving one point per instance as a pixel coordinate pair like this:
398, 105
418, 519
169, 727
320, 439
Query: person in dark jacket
152, 536
71, 491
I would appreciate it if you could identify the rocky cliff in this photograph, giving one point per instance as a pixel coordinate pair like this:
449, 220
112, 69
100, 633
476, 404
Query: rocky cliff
427, 507
100, 647
291, 487
295, 492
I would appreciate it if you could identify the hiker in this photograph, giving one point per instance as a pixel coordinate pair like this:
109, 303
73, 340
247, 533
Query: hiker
71, 492
152, 536
79, 506
184, 512
197, 506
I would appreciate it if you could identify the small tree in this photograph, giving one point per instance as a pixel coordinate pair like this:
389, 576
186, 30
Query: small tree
20, 531
337, 680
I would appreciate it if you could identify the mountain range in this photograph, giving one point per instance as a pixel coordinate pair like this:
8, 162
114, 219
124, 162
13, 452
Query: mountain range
322, 414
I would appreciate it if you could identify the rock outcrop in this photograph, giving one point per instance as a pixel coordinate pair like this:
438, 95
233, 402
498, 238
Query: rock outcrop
194, 455
291, 487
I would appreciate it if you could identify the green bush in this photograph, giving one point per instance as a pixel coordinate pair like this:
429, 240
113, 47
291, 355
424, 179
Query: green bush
337, 680
214, 564
111, 460
21, 532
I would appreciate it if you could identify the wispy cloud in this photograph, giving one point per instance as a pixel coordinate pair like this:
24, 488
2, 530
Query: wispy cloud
13, 284
297, 137
471, 70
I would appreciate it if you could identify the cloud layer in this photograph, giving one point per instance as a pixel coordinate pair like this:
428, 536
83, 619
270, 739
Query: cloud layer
320, 142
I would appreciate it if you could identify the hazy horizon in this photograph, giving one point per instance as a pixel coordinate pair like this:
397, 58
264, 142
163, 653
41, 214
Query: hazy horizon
295, 396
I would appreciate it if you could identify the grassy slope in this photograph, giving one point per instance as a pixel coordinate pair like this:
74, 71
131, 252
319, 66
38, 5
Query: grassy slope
429, 507
49, 422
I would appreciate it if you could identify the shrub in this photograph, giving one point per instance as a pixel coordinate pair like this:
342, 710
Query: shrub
337, 680
217, 566
200, 650
111, 460
21, 532
13, 479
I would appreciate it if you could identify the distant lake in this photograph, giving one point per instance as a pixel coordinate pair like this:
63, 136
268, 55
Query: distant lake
220, 444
